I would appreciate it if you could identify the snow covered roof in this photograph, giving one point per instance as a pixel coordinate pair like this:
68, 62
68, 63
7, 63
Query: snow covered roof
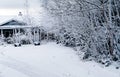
40, 20
11, 20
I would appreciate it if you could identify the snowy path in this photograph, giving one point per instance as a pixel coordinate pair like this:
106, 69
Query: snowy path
51, 60
23, 67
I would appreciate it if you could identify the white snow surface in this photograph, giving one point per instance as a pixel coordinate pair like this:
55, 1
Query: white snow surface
48, 60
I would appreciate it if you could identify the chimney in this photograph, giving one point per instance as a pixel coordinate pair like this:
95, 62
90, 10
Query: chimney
20, 14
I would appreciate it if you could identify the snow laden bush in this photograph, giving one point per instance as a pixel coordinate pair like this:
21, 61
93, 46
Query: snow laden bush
24, 39
74, 28
21, 38
91, 27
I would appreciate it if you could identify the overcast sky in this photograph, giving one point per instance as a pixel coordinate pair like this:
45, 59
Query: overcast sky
11, 3
11, 7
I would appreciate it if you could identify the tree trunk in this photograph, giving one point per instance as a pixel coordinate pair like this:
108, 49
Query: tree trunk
110, 34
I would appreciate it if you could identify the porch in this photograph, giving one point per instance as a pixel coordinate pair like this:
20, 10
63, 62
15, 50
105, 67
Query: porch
33, 34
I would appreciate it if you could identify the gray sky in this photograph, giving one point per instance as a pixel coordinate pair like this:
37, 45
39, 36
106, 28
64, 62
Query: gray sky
11, 7
16, 3
11, 4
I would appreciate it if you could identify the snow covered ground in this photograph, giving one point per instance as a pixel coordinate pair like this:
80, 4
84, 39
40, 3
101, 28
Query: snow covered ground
48, 60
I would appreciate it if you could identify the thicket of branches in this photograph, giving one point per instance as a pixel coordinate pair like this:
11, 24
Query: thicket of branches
92, 27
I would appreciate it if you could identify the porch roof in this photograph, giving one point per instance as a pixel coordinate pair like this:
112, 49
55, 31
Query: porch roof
19, 27
14, 27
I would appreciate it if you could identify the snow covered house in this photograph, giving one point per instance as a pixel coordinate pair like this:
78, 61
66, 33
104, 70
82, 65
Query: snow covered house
17, 29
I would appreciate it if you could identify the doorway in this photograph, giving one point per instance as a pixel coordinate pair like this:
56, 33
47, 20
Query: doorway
8, 33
